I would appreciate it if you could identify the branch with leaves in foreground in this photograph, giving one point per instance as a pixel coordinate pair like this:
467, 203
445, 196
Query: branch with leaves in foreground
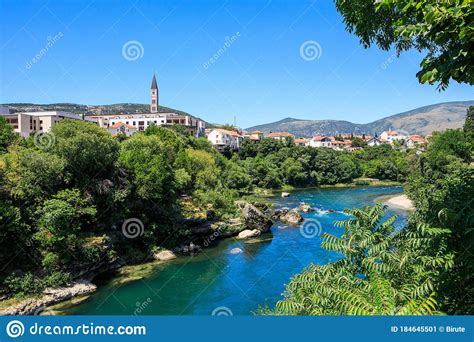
382, 272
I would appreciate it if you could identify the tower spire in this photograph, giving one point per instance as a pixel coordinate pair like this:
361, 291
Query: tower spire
154, 95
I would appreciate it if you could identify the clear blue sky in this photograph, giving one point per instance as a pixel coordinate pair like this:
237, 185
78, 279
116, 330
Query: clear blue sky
261, 76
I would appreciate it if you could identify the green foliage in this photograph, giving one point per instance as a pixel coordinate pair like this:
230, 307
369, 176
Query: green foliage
89, 151
370, 279
469, 126
7, 136
442, 187
442, 29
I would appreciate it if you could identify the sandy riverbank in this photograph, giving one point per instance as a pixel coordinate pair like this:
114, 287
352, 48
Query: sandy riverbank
401, 202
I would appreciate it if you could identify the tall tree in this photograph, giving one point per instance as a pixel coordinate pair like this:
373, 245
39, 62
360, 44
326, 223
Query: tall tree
469, 125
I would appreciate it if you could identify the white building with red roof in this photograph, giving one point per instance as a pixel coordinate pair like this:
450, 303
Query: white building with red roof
280, 135
391, 136
221, 138
122, 128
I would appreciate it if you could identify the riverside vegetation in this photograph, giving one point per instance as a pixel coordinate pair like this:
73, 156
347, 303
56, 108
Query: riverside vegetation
64, 200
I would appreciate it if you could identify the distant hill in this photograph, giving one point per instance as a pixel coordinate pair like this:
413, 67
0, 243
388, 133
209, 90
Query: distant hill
423, 120
118, 108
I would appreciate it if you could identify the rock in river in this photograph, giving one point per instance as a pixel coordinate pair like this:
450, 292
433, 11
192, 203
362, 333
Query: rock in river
235, 251
293, 216
304, 207
247, 233
164, 255
285, 194
254, 218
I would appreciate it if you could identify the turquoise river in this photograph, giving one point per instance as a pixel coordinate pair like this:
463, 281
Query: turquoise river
216, 279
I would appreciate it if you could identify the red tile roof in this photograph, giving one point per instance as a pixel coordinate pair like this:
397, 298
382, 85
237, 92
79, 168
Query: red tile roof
120, 123
279, 134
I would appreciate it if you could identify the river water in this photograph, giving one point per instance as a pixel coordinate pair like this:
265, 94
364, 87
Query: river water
217, 280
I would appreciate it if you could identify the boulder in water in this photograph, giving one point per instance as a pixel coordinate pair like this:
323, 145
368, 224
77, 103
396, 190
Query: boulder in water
285, 194
293, 216
164, 255
247, 233
304, 207
235, 251
254, 218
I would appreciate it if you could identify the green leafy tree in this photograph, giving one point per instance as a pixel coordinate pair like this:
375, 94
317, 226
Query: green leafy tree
443, 29
364, 281
469, 126
7, 136
61, 220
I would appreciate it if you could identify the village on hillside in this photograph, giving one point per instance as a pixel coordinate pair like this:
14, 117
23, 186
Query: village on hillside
228, 138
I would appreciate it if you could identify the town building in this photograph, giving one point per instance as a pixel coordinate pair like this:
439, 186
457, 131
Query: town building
320, 141
141, 121
195, 126
121, 128
280, 135
27, 123
301, 142
375, 141
154, 104
340, 145
415, 141
255, 135
391, 136
223, 138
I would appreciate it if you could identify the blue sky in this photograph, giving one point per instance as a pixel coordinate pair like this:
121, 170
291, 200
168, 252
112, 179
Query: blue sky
259, 77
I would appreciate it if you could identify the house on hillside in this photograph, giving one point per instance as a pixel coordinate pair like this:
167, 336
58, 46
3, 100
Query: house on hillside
301, 142
223, 138
121, 128
340, 145
280, 135
375, 141
320, 141
391, 136
255, 136
415, 141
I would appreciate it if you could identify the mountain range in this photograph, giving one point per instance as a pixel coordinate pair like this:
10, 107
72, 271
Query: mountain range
423, 120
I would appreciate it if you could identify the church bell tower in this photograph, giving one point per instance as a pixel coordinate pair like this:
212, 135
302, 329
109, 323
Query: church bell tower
154, 96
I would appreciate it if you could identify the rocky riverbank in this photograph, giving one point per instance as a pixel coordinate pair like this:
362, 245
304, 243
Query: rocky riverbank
34, 306
253, 221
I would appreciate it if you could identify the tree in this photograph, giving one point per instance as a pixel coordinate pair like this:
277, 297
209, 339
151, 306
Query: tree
371, 278
469, 126
61, 221
7, 136
443, 29
89, 151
